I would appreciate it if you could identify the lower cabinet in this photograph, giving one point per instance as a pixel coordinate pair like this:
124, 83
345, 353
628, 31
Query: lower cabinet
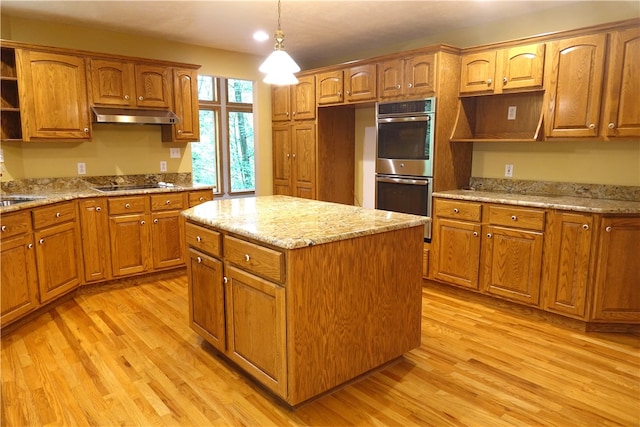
167, 235
129, 235
94, 229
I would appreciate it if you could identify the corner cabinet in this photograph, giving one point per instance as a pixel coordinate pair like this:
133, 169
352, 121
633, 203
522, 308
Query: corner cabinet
62, 111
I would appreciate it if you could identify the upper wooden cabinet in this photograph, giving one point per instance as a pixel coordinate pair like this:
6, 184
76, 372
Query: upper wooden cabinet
353, 84
495, 71
414, 76
185, 100
329, 86
576, 73
296, 102
53, 96
130, 85
621, 104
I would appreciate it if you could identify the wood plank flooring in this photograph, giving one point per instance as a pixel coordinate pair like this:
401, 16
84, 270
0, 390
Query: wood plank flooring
127, 356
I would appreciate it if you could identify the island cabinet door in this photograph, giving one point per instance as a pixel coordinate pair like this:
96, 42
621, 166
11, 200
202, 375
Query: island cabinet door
256, 328
206, 298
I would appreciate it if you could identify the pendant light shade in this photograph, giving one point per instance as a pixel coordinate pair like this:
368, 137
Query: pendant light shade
279, 67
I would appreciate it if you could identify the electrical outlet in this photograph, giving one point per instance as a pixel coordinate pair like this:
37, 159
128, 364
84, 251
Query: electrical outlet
508, 170
511, 112
1, 155
174, 153
82, 168
163, 166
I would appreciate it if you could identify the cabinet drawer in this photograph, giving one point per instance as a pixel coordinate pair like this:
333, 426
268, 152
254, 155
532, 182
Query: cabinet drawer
257, 259
201, 196
532, 219
167, 201
126, 205
202, 238
55, 214
457, 209
14, 224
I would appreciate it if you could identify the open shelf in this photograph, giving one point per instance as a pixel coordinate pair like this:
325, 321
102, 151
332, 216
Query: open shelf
10, 120
487, 118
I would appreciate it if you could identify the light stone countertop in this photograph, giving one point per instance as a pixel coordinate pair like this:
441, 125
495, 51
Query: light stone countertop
569, 203
290, 222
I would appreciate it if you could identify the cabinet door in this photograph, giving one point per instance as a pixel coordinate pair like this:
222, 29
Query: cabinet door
622, 108
185, 91
112, 83
18, 277
280, 103
57, 259
569, 259
477, 72
456, 252
329, 88
420, 75
522, 67
53, 93
130, 240
304, 160
303, 98
282, 160
167, 238
153, 86
360, 83
575, 86
206, 298
256, 327
512, 263
617, 287
390, 78
94, 227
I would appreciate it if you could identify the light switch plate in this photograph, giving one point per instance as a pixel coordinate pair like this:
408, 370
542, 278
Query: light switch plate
174, 153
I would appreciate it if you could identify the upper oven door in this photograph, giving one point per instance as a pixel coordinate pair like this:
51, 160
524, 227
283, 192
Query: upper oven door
405, 145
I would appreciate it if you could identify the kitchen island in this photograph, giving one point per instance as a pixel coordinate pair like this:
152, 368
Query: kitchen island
304, 295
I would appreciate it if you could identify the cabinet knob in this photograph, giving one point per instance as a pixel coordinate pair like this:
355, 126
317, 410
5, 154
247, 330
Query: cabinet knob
514, 218
247, 257
504, 80
489, 235
201, 199
127, 205
224, 279
608, 229
339, 93
611, 125
30, 246
168, 202
410, 85
198, 239
155, 221
86, 130
3, 228
348, 92
294, 155
288, 155
592, 126
41, 241
179, 131
585, 226
142, 222
57, 214
140, 98
126, 97
455, 210
98, 209
475, 234
398, 86
489, 81
199, 260
293, 114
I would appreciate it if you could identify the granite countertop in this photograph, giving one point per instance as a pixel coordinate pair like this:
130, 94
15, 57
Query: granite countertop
290, 222
570, 203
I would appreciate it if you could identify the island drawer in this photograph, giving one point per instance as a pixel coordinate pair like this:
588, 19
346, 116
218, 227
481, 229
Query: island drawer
126, 205
55, 214
254, 258
168, 201
199, 196
510, 216
13, 224
202, 238
468, 211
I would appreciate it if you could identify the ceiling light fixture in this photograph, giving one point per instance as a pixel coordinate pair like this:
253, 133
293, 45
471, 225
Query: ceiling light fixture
279, 66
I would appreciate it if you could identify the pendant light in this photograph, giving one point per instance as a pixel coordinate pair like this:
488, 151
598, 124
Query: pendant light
279, 66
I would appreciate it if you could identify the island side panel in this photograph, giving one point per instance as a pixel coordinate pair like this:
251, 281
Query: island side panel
352, 305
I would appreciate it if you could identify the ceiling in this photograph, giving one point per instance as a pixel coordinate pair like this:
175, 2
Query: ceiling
317, 32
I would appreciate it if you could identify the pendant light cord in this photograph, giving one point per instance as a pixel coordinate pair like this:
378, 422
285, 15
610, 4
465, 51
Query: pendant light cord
279, 9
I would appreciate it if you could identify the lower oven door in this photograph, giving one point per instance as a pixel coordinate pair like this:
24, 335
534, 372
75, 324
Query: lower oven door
405, 194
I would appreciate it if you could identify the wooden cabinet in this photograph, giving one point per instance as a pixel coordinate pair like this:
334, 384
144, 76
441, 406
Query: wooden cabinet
456, 242
297, 102
129, 235
199, 196
568, 271
360, 83
621, 107
330, 88
496, 71
412, 76
294, 157
60, 112
185, 105
167, 234
126, 84
18, 273
94, 229
616, 296
576, 73
10, 118
57, 249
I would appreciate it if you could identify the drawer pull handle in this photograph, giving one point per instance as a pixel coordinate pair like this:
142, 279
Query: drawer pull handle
155, 221
201, 199
585, 226
224, 279
475, 234
247, 257
488, 235
30, 245
127, 205
455, 210
41, 241
198, 239
98, 209
4, 228
608, 229
199, 260
514, 218
168, 202
57, 214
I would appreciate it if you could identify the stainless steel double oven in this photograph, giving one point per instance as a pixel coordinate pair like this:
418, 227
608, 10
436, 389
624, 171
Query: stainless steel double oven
404, 164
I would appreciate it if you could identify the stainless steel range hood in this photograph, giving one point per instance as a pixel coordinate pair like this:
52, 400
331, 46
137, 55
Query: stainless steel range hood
124, 115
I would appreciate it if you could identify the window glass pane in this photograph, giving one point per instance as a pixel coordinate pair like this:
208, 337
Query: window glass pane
241, 151
204, 154
240, 91
207, 88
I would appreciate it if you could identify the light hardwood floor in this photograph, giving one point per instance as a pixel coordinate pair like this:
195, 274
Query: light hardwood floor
127, 356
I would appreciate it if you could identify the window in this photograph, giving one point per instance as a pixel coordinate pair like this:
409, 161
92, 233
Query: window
224, 157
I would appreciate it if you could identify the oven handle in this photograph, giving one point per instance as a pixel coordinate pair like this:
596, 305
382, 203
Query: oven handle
423, 118
410, 181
